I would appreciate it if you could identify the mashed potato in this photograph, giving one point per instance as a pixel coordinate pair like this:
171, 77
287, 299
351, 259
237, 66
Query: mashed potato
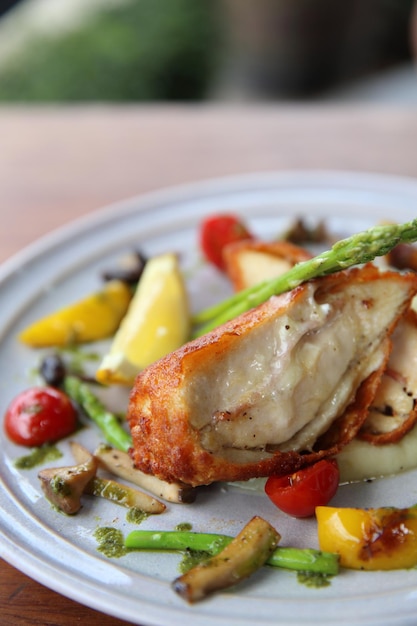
360, 460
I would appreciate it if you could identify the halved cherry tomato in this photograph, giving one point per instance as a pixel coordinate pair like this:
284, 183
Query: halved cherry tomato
299, 493
216, 232
40, 415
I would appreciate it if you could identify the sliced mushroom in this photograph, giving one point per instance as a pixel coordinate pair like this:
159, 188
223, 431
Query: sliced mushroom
63, 486
239, 559
120, 464
112, 490
124, 495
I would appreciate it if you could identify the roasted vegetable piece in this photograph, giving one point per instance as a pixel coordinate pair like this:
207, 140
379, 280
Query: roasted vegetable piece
300, 232
251, 261
357, 249
305, 560
177, 540
120, 463
216, 232
300, 559
94, 317
299, 493
124, 495
63, 486
370, 539
403, 257
242, 557
108, 423
53, 370
130, 269
38, 416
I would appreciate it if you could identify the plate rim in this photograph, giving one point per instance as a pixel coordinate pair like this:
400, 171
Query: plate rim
129, 206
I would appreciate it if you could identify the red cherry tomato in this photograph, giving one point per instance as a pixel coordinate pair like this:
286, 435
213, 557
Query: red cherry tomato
216, 232
298, 494
40, 415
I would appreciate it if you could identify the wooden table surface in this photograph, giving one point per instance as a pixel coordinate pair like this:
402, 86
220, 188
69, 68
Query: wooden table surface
57, 164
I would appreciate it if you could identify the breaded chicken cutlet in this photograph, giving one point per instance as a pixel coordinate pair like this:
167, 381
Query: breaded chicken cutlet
273, 390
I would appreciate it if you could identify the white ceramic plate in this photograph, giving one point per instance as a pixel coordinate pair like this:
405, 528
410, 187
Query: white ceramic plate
60, 551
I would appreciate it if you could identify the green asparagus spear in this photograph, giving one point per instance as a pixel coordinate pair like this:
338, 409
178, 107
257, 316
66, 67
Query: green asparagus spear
305, 560
355, 250
108, 423
179, 540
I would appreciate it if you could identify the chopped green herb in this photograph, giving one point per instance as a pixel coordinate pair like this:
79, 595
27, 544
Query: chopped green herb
313, 579
38, 456
109, 490
60, 486
184, 526
136, 516
110, 542
191, 558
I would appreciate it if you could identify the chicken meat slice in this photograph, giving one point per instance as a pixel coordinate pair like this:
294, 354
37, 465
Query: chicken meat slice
280, 386
394, 410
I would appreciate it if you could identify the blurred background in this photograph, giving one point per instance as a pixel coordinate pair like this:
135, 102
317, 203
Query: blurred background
200, 50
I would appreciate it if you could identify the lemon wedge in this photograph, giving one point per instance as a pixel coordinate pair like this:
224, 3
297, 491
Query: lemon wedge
97, 316
156, 323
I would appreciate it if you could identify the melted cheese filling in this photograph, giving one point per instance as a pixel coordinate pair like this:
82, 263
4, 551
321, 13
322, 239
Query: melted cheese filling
294, 374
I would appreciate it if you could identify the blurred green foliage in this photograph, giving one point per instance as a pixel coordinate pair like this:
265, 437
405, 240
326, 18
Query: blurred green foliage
142, 51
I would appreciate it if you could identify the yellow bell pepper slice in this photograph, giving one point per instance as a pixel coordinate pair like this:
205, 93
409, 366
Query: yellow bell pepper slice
92, 318
369, 539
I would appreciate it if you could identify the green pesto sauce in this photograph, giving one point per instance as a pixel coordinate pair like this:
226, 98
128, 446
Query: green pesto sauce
110, 491
61, 487
136, 516
184, 527
191, 558
313, 579
38, 456
110, 542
